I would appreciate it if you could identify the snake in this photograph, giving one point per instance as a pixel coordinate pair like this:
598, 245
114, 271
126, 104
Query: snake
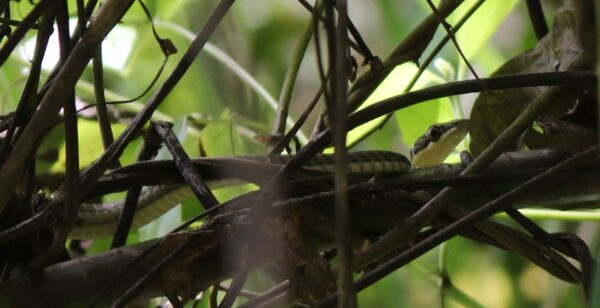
97, 220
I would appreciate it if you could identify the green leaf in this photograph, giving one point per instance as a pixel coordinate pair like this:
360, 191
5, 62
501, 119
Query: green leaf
90, 145
220, 138
12, 82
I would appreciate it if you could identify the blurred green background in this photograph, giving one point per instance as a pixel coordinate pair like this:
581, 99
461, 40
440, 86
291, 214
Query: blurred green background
229, 93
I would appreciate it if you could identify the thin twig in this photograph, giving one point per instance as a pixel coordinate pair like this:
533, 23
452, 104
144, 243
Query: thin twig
71, 187
149, 150
268, 295
276, 150
101, 110
185, 166
450, 33
356, 46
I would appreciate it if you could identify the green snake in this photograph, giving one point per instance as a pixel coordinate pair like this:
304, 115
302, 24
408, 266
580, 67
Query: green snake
100, 220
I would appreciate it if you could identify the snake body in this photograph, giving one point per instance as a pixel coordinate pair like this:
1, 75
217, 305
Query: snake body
99, 220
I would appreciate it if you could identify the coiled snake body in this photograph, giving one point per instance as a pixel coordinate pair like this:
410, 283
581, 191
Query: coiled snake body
99, 220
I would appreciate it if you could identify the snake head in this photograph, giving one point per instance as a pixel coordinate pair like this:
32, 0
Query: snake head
437, 143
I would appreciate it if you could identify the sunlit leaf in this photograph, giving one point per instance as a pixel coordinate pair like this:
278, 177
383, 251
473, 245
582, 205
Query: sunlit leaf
12, 81
220, 138
90, 145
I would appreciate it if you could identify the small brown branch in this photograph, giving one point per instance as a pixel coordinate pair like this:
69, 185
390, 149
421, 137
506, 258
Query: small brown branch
149, 150
71, 186
339, 64
101, 110
184, 164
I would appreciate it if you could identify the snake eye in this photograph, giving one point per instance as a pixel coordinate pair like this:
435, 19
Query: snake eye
434, 133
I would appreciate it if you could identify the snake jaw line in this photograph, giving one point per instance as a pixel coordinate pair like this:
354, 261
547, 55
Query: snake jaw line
438, 142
